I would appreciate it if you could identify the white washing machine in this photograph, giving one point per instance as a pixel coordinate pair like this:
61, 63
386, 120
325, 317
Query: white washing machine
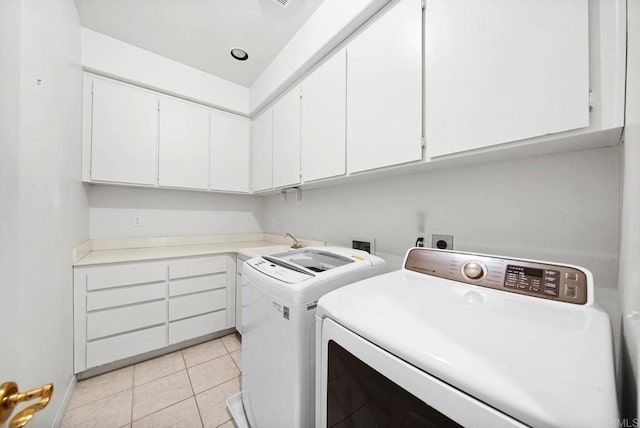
279, 299
458, 339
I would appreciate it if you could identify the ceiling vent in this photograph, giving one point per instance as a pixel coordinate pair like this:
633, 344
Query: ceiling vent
282, 3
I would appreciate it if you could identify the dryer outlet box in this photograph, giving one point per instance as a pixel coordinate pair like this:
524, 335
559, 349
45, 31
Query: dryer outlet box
443, 242
364, 244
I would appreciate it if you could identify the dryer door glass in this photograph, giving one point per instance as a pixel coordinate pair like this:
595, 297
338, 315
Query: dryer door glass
359, 396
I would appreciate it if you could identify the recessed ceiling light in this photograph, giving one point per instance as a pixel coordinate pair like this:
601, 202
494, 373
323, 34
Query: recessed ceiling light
239, 54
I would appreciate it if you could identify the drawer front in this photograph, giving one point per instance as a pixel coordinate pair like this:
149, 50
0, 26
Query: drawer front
126, 345
200, 266
196, 327
181, 286
102, 299
114, 321
196, 304
119, 275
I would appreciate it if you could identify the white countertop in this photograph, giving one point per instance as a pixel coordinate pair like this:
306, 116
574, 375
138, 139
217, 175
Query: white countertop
128, 250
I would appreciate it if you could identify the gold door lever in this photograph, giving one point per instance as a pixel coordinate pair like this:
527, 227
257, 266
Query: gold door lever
10, 398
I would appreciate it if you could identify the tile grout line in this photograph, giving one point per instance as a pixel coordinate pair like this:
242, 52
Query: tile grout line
209, 360
97, 399
94, 402
81, 382
217, 385
161, 377
133, 386
236, 364
195, 399
160, 410
167, 406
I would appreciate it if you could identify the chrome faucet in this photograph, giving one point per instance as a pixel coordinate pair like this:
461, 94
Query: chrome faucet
296, 244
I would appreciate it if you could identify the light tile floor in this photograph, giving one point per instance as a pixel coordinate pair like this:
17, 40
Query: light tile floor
187, 388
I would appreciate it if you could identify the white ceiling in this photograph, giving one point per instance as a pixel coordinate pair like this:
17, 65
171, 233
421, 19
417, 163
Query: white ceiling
200, 33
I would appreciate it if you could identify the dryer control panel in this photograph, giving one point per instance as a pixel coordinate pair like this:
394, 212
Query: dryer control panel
536, 279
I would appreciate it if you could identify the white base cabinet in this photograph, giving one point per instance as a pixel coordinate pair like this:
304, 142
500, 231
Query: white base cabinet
127, 309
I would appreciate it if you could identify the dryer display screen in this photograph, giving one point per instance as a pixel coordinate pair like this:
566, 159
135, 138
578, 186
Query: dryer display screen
533, 280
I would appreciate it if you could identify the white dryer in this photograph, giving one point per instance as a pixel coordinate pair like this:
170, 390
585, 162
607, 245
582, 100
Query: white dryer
458, 339
279, 299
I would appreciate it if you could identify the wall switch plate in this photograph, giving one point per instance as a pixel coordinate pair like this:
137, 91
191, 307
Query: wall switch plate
442, 242
137, 221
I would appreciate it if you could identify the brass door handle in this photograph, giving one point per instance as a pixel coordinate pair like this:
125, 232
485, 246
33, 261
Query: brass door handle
10, 398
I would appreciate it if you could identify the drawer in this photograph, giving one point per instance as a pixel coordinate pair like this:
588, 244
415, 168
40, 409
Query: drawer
108, 298
114, 321
119, 275
125, 345
197, 326
200, 266
196, 304
181, 286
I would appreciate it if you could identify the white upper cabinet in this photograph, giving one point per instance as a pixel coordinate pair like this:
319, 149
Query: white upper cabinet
504, 71
183, 145
262, 137
324, 120
124, 134
230, 141
384, 90
286, 139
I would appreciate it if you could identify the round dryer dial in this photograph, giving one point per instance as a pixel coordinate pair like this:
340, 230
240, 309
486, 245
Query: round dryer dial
474, 270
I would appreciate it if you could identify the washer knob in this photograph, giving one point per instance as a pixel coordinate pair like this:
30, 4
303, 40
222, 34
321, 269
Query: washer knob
473, 270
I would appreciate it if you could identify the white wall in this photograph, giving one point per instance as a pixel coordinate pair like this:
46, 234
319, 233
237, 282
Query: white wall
169, 212
105, 55
561, 207
630, 242
11, 363
46, 207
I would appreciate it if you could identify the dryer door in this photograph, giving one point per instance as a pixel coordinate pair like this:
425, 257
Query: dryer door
361, 385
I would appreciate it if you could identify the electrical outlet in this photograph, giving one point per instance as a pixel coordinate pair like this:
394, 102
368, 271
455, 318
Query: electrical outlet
137, 221
442, 242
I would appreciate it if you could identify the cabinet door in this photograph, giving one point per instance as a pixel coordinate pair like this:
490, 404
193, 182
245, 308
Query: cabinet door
262, 127
384, 90
502, 71
324, 120
184, 145
286, 139
230, 140
124, 132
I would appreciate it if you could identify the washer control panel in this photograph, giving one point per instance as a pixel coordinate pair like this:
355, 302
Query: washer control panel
277, 269
543, 280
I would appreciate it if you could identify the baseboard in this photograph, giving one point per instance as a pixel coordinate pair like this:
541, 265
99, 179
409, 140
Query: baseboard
57, 422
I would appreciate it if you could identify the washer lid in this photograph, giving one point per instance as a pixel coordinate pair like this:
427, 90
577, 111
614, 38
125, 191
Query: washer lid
542, 362
311, 260
300, 265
